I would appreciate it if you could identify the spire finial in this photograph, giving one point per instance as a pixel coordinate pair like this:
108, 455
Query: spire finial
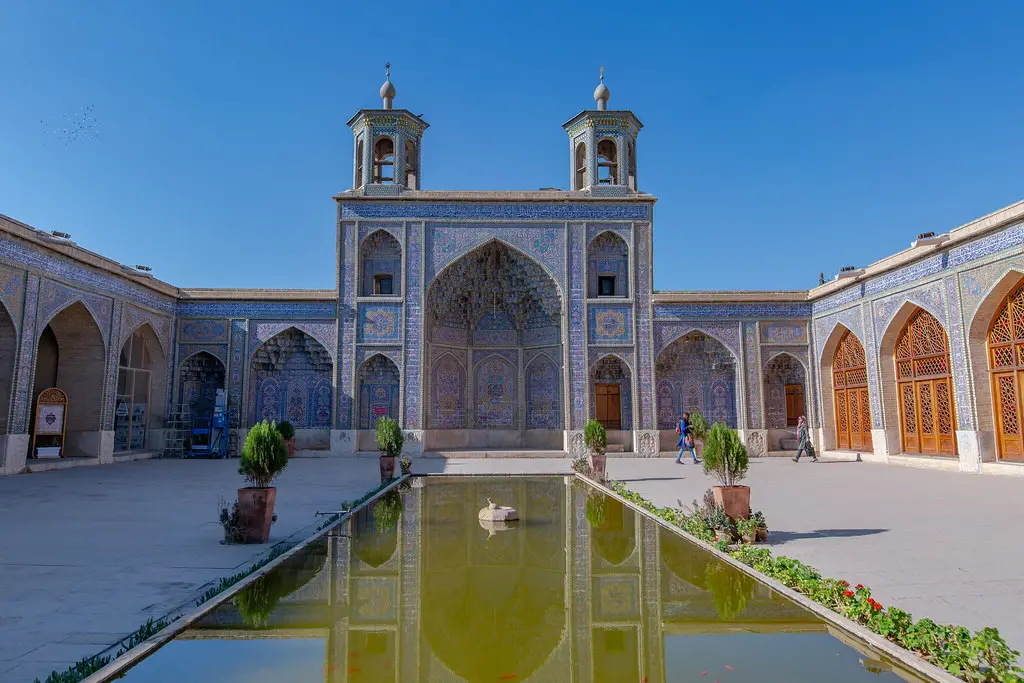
601, 93
387, 91
602, 73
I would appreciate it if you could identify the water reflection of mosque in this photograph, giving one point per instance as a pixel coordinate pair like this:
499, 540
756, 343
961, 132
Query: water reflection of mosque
577, 592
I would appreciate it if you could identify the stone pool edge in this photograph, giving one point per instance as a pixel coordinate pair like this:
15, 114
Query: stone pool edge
848, 628
122, 664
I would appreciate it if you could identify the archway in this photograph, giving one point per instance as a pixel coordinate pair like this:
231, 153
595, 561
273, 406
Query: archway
8, 352
199, 378
380, 258
917, 365
71, 355
845, 400
607, 266
785, 397
494, 344
139, 404
1006, 366
290, 380
379, 389
696, 372
611, 398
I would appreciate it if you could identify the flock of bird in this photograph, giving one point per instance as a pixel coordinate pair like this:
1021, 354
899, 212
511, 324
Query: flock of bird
73, 127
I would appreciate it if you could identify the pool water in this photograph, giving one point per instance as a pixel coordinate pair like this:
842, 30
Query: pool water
581, 589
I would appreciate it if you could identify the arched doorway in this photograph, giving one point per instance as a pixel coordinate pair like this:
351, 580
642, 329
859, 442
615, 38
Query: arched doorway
696, 373
925, 387
199, 378
494, 348
8, 351
784, 379
611, 401
850, 394
71, 356
290, 380
141, 390
379, 390
1006, 365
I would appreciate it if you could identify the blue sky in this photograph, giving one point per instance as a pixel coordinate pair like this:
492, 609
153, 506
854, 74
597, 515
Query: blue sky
782, 138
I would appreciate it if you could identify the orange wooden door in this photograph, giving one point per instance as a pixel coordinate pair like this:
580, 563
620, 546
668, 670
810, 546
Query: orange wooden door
1007, 389
927, 418
794, 403
850, 388
608, 405
1006, 363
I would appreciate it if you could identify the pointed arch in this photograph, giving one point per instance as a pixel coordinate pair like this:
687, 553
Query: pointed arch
543, 392
8, 352
611, 391
607, 257
996, 334
93, 316
285, 372
677, 332
785, 395
380, 263
699, 372
494, 386
141, 394
379, 386
453, 259
265, 331
200, 375
448, 392
846, 398
916, 381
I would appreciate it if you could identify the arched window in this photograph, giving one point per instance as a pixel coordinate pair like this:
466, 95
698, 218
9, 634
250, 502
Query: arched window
139, 384
580, 177
384, 160
850, 394
925, 387
631, 164
411, 166
359, 163
607, 163
1006, 363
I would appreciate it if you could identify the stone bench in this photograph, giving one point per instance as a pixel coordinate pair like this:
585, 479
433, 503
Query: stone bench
789, 444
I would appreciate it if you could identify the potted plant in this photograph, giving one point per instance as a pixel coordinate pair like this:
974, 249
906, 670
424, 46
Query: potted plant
719, 522
596, 439
699, 429
264, 456
725, 457
406, 463
288, 434
762, 526
748, 529
389, 444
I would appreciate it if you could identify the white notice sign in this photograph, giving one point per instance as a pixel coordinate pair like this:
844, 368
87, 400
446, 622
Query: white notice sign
50, 419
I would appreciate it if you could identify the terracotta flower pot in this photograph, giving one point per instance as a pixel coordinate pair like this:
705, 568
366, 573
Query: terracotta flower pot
723, 535
291, 447
749, 538
255, 513
387, 468
599, 464
735, 500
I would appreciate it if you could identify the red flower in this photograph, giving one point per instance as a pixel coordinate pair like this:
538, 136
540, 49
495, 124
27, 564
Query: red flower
876, 605
860, 586
848, 594
844, 584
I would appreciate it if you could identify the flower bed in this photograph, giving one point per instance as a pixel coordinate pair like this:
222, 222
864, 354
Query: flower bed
979, 657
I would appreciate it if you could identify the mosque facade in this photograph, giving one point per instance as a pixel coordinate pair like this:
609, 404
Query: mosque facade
503, 321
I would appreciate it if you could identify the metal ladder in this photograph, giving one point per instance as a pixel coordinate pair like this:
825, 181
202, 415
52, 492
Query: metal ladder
179, 426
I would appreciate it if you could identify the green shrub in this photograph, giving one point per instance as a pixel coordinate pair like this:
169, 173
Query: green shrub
257, 600
264, 455
595, 436
596, 513
725, 456
389, 437
698, 426
387, 510
730, 589
286, 429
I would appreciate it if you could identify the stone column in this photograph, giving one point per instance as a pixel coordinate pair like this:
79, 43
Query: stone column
19, 436
645, 432
413, 366
752, 431
343, 436
575, 340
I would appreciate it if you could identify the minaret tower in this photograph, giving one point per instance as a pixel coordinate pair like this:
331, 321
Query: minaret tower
387, 146
602, 148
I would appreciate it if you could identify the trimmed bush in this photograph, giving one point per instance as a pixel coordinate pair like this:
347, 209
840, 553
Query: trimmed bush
264, 455
286, 429
725, 456
595, 436
389, 437
698, 426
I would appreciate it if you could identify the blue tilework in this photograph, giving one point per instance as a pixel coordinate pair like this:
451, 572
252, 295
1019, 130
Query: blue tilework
577, 327
610, 324
12, 290
324, 332
346, 345
257, 309
964, 406
414, 329
750, 344
563, 211
543, 243
726, 333
379, 323
711, 311
237, 370
644, 286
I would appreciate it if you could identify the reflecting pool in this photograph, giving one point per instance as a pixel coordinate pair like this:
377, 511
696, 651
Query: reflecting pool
580, 589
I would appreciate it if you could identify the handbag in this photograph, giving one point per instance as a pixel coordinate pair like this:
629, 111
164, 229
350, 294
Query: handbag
678, 430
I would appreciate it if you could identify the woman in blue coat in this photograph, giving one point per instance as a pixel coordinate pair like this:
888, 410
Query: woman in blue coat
685, 440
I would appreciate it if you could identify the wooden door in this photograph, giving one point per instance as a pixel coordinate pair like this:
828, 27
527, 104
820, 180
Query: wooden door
608, 406
794, 403
925, 388
1006, 363
850, 391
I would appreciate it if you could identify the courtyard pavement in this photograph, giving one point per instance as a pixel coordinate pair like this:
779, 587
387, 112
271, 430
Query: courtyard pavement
88, 554
944, 545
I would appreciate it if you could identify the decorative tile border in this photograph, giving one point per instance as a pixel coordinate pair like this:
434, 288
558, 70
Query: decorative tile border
26, 358
544, 243
644, 283
132, 318
726, 333
257, 309
965, 408
577, 328
928, 297
237, 369
218, 351
716, 311
784, 333
750, 344
12, 291
346, 322
260, 332
508, 210
379, 323
414, 327
203, 331
54, 297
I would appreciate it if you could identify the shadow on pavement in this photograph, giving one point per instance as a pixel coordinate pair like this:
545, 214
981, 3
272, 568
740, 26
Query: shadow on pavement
779, 537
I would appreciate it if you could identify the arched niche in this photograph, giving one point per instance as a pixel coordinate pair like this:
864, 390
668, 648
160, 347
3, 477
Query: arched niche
614, 537
696, 372
199, 377
290, 379
607, 266
380, 259
448, 399
917, 386
141, 395
543, 393
992, 337
846, 400
8, 353
611, 393
379, 389
71, 355
785, 397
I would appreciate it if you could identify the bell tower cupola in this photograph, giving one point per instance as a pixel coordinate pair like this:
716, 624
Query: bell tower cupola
387, 146
602, 148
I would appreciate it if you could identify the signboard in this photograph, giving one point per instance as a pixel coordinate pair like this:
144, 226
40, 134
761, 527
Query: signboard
50, 419
380, 411
122, 409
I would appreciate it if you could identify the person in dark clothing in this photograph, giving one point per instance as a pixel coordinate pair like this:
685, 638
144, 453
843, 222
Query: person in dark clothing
804, 440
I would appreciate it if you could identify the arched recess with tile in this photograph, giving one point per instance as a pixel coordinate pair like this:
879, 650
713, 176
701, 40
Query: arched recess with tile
845, 394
